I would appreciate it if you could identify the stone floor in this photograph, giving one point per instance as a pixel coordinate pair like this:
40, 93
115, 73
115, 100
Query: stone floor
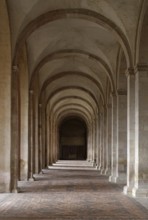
70, 191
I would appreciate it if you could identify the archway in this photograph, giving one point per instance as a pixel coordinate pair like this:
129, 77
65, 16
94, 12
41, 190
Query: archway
73, 139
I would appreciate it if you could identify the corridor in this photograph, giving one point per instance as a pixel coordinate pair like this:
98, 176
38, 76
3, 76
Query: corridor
70, 190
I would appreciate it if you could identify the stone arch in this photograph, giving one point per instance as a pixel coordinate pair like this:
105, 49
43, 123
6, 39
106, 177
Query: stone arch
79, 13
63, 74
141, 50
58, 54
73, 97
65, 110
121, 72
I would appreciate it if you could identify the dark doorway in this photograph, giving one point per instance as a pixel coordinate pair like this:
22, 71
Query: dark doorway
73, 139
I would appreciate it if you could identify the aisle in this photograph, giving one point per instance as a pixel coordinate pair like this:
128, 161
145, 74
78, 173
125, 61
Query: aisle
70, 190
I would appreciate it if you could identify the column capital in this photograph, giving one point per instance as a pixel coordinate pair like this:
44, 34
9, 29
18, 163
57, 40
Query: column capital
100, 113
31, 91
130, 72
105, 107
121, 92
15, 69
109, 105
141, 67
113, 94
102, 110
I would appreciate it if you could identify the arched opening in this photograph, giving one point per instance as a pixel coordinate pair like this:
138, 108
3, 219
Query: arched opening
73, 139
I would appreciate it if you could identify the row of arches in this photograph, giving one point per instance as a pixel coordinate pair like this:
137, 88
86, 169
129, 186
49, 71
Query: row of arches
51, 83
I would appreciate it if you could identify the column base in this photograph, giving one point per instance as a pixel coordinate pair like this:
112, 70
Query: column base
102, 171
108, 172
99, 167
15, 190
94, 164
122, 178
96, 167
31, 179
127, 190
140, 192
113, 179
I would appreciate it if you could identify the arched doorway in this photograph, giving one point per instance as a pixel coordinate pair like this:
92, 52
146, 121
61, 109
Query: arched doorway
73, 139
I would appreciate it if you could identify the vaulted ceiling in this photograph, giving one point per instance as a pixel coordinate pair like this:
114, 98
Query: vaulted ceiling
73, 47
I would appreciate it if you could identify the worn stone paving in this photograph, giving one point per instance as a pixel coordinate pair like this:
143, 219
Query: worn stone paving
70, 194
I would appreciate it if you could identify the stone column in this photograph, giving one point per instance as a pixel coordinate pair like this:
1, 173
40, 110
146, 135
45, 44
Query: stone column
50, 141
15, 129
31, 134
45, 141
106, 156
100, 139
130, 131
40, 137
54, 143
103, 141
97, 139
36, 132
140, 188
43, 137
89, 143
47, 136
122, 135
114, 147
90, 146
109, 126
94, 141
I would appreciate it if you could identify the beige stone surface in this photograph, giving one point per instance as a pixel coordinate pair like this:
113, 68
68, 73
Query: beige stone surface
86, 59
5, 98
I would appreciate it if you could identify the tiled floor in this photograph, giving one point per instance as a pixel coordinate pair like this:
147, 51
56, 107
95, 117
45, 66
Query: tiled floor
64, 192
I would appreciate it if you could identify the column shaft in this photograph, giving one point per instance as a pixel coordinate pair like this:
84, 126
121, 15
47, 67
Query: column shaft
130, 132
122, 135
31, 135
114, 147
140, 188
15, 129
40, 137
